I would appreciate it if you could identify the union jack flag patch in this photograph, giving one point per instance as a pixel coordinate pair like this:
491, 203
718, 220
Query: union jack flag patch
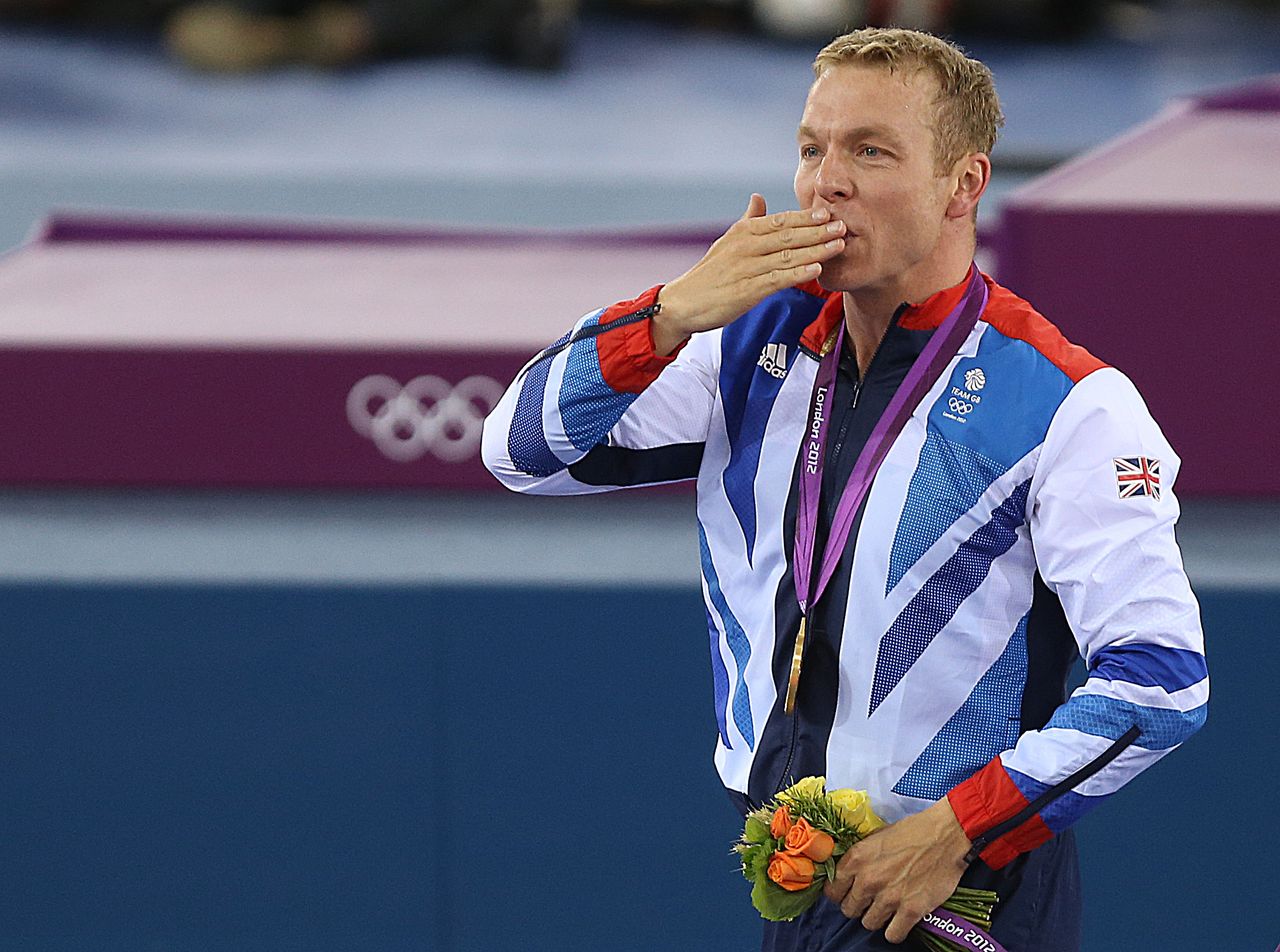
1138, 476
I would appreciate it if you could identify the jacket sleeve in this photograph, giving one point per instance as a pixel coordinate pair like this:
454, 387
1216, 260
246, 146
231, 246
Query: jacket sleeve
1101, 516
599, 410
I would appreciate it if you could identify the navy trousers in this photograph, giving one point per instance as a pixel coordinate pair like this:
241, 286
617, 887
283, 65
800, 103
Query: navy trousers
1038, 911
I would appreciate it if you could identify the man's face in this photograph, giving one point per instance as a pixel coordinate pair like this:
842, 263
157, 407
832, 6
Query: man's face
866, 152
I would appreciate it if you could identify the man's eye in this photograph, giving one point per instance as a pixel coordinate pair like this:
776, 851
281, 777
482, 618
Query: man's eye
871, 152
808, 151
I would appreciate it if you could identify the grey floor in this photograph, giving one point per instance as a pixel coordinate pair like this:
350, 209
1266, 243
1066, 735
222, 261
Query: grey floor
140, 537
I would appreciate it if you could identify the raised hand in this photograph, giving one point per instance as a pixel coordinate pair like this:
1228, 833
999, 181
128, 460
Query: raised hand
758, 255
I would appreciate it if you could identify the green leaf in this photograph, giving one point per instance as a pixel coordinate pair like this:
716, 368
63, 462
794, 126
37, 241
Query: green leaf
755, 859
777, 905
757, 831
760, 863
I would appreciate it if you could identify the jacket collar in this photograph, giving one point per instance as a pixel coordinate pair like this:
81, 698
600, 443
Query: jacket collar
927, 315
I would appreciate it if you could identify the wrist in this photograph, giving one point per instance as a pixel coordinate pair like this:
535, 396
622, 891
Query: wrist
950, 835
665, 329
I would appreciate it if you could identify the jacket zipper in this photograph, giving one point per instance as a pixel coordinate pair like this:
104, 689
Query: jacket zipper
835, 450
1053, 793
857, 392
593, 330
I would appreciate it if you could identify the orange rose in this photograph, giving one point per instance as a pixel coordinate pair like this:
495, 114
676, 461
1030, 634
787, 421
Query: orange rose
780, 825
792, 873
804, 840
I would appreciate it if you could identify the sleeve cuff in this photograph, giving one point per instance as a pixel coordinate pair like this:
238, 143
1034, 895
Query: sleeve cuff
989, 798
628, 363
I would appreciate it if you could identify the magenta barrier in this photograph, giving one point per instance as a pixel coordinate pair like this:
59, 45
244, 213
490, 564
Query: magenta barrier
1166, 269
83, 227
270, 418
142, 351
1185, 304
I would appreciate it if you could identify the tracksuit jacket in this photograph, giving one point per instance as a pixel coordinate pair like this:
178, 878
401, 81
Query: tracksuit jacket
1023, 517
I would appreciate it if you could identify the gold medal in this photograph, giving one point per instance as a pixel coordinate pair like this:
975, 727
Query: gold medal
793, 682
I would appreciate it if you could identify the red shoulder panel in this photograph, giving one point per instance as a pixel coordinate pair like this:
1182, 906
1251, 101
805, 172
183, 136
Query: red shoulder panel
1014, 317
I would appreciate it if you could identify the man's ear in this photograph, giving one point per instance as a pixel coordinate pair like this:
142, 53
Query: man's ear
970, 176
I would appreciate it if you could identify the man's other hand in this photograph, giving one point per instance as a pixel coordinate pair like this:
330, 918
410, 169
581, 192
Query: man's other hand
896, 875
758, 255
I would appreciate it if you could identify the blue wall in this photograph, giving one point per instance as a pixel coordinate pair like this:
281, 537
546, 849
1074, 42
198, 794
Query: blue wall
217, 768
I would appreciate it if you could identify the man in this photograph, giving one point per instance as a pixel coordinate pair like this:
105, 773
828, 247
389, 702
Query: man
917, 503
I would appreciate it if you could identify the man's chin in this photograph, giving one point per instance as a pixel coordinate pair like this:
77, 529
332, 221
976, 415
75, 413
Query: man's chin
838, 275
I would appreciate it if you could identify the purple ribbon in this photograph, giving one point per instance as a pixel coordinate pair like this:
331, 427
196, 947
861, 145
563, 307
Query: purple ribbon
959, 931
942, 346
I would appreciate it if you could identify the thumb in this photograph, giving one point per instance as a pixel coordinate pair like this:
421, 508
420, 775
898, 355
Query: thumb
755, 207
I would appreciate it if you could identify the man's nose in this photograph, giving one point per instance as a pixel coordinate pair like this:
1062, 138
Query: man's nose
833, 182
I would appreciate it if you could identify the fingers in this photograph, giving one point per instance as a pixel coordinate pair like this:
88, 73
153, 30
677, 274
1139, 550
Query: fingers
763, 224
770, 281
881, 911
755, 206
792, 266
836, 887
904, 920
867, 898
790, 244
758, 255
877, 915
839, 884
799, 237
856, 904
789, 250
802, 255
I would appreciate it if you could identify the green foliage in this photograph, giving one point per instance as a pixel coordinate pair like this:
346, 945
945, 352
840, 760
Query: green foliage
778, 905
760, 862
755, 857
757, 830
822, 814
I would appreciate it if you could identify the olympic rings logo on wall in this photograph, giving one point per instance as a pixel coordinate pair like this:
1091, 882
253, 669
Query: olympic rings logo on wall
959, 406
426, 415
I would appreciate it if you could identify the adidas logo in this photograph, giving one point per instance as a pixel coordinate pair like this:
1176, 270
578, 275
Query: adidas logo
774, 360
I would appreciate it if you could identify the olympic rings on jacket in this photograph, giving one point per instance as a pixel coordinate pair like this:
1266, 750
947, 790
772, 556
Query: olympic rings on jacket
959, 406
427, 414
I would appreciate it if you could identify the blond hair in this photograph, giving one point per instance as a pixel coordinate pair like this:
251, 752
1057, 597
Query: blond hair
968, 114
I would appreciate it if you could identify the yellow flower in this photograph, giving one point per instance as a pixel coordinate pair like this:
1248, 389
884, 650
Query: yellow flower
855, 807
809, 786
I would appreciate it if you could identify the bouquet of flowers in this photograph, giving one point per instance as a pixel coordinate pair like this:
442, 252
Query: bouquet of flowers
789, 849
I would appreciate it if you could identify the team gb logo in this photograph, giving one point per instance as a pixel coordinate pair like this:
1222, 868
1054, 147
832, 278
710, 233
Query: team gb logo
975, 379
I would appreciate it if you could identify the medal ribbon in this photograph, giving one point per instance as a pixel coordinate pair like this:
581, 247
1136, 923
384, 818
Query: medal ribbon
959, 931
938, 352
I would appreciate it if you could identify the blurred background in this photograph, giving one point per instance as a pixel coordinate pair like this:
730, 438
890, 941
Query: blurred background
281, 668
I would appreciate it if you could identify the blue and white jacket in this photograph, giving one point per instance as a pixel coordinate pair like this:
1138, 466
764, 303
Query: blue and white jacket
1024, 517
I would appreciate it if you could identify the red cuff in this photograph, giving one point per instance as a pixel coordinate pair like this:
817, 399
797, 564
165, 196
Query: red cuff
987, 799
627, 359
